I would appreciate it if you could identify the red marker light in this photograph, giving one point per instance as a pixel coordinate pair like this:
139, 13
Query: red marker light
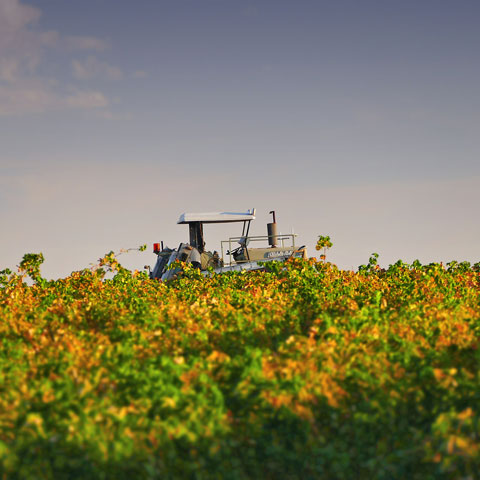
156, 248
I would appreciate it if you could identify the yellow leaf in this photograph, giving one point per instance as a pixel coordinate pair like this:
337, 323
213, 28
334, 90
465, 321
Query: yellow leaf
467, 413
451, 444
217, 356
48, 396
169, 402
461, 443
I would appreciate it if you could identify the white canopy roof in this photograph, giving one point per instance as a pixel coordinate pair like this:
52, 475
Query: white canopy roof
217, 217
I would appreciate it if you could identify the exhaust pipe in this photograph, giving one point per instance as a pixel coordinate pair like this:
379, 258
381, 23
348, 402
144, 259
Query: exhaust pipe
272, 231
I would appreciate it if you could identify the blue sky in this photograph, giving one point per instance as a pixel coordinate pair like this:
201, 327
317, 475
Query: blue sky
356, 119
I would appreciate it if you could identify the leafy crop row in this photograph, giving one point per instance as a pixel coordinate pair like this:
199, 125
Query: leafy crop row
300, 371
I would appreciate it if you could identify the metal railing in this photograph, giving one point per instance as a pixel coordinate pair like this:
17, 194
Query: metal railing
244, 241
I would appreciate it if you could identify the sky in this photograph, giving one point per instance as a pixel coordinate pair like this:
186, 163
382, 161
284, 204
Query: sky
358, 119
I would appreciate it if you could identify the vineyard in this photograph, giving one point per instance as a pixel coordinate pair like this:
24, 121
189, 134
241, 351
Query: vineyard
300, 371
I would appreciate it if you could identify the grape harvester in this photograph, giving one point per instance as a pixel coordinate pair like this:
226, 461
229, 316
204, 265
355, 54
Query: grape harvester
236, 253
